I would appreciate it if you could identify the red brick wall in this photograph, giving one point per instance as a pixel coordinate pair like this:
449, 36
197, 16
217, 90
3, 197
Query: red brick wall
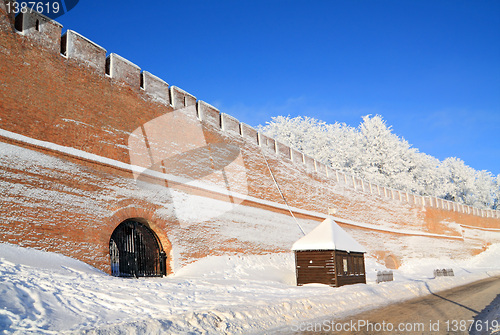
67, 204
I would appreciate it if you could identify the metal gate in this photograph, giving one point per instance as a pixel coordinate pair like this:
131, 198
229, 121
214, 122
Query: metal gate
135, 251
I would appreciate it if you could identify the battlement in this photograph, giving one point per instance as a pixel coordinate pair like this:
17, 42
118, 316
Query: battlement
208, 114
77, 47
230, 124
181, 98
40, 29
73, 47
123, 70
155, 87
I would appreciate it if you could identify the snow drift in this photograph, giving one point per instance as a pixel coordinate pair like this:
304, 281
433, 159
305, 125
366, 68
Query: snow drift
46, 293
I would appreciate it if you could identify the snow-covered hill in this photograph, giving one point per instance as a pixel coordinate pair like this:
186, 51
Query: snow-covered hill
46, 293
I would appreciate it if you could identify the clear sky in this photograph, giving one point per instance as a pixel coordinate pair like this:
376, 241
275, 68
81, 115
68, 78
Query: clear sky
430, 68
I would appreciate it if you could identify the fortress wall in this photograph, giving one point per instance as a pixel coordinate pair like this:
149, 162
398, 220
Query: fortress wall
83, 51
155, 87
56, 198
230, 124
181, 98
297, 156
283, 150
41, 30
249, 134
123, 71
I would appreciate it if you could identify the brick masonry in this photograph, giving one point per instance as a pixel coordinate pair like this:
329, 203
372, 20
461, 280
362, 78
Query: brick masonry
66, 92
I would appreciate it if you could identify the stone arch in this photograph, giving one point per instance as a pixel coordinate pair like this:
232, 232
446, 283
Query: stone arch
136, 251
142, 212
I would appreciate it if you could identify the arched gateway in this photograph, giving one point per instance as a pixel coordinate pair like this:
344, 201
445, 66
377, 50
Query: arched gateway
136, 251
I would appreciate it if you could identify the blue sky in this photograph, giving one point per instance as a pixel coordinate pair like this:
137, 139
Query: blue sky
430, 68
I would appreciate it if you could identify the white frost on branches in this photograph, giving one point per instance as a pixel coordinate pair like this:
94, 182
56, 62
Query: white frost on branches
372, 151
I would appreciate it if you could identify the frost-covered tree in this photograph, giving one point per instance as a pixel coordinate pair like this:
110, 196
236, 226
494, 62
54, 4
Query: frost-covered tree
459, 184
372, 151
383, 157
496, 193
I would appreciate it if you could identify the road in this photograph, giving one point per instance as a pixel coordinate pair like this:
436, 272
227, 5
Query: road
446, 312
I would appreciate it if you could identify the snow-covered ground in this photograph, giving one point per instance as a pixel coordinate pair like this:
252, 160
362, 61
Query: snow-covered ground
46, 293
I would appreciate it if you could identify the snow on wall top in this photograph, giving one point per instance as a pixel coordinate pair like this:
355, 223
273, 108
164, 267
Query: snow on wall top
89, 52
328, 236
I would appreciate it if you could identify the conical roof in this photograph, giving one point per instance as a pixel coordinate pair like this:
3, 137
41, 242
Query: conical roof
328, 236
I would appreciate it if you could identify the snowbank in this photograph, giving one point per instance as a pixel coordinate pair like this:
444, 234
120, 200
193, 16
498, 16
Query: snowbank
47, 293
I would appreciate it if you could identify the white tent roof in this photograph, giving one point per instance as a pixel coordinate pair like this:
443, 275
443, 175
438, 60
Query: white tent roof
328, 236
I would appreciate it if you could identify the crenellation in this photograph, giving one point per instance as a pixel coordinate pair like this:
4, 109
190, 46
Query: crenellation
296, 156
364, 186
267, 142
208, 114
47, 33
349, 180
394, 194
80, 48
321, 168
411, 198
271, 144
230, 124
330, 173
249, 133
93, 123
309, 162
358, 183
342, 178
180, 98
283, 150
40, 29
155, 87
123, 70
389, 193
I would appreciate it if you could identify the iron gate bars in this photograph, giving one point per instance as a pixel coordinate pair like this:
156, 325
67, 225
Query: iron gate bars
135, 251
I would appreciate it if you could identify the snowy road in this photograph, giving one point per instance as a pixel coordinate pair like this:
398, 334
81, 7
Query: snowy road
47, 293
461, 310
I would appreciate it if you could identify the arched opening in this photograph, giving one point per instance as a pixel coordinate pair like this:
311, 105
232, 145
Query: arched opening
136, 251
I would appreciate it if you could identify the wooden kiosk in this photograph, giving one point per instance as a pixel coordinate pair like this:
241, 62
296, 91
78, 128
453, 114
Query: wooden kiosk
329, 255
